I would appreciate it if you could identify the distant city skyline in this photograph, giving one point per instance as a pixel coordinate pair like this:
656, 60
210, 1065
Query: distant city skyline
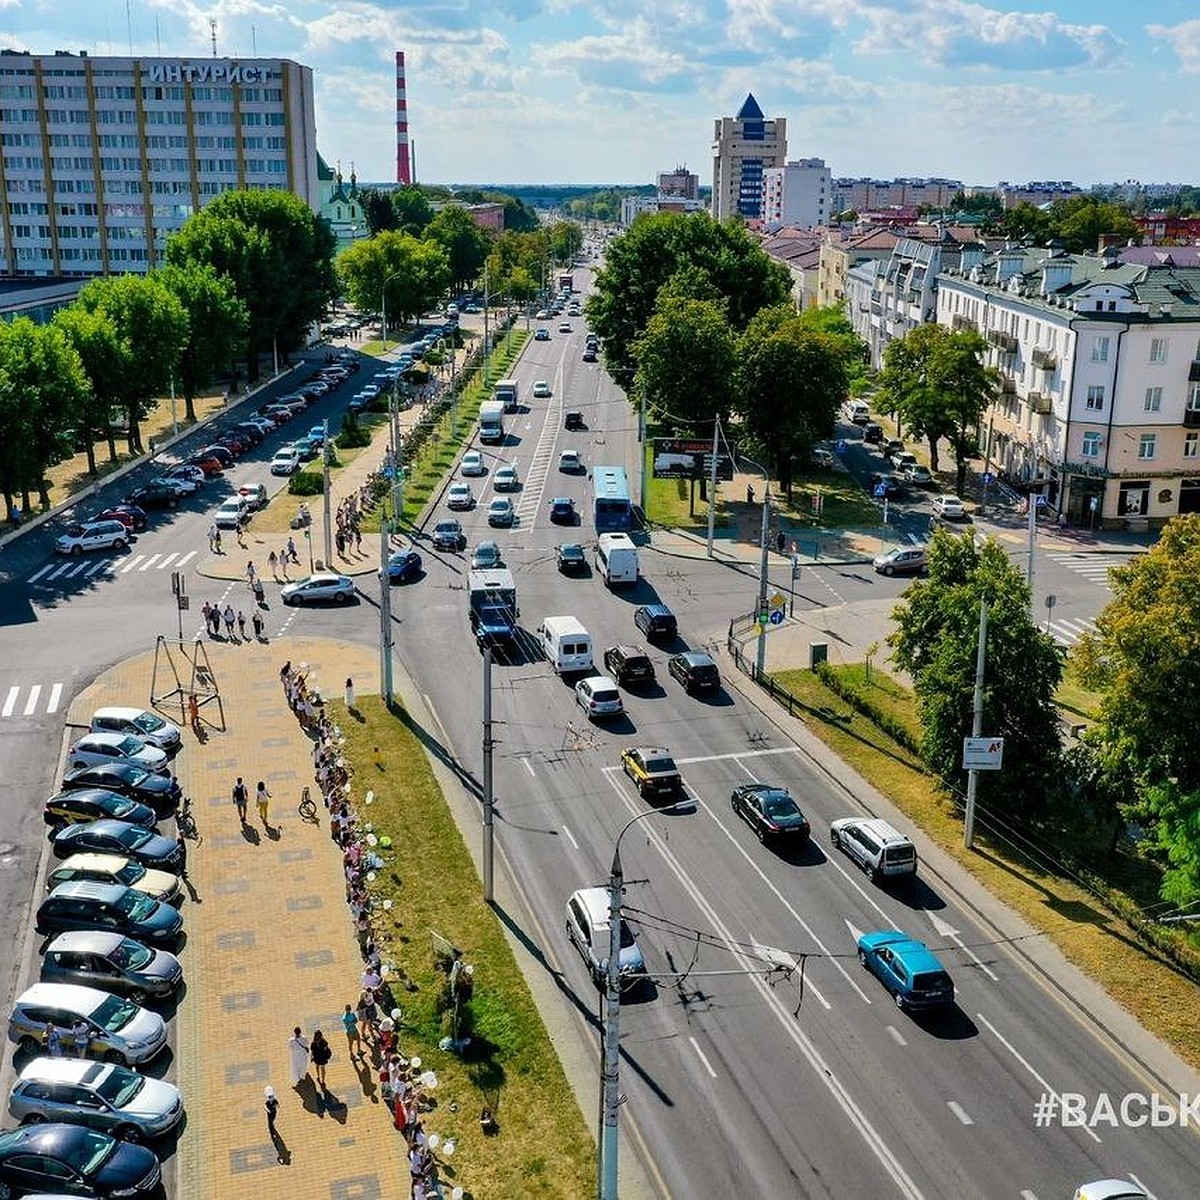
535, 91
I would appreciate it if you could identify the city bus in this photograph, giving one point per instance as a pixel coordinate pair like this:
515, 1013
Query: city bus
611, 509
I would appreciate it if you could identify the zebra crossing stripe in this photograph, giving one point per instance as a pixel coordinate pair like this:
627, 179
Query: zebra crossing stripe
35, 578
189, 555
97, 567
55, 697
149, 562
31, 703
133, 562
167, 561
10, 702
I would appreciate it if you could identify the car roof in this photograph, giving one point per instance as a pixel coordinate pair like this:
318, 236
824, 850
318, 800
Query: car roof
656, 610
65, 1070
87, 889
118, 710
916, 955
630, 651
94, 941
102, 737
697, 658
93, 860
69, 995
652, 751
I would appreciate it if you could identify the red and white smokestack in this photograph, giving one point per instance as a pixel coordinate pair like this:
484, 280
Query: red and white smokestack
403, 162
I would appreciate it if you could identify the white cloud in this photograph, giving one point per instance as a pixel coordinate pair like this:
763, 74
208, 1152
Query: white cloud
628, 61
1183, 39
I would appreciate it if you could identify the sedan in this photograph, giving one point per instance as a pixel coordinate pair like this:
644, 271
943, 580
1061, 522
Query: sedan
109, 908
153, 495
564, 327
448, 535
76, 1160
598, 696
486, 556
187, 473
95, 748
404, 566
112, 962
126, 779
113, 868
590, 356
562, 510
542, 334
916, 474
232, 512
500, 512
95, 804
133, 518
460, 497
570, 463
885, 486
220, 453
770, 812
118, 837
472, 464
207, 463
571, 559
506, 479
541, 390
903, 560
338, 588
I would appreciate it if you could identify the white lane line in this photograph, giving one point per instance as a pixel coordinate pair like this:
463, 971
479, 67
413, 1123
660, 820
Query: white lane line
1134, 1179
101, 565
528, 766
703, 758
167, 561
30, 704
702, 1056
1026, 1194
133, 562
958, 1110
55, 697
570, 837
896, 1035
149, 562
10, 702
66, 568
1028, 1067
189, 555
745, 768
35, 577
947, 931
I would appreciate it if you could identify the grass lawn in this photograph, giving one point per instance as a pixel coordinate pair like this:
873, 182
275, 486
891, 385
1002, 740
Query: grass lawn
844, 504
1087, 933
544, 1148
1075, 699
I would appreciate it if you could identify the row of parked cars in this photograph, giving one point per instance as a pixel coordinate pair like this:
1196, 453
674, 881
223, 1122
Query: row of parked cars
110, 920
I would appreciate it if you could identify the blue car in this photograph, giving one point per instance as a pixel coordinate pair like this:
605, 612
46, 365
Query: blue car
404, 566
909, 970
562, 510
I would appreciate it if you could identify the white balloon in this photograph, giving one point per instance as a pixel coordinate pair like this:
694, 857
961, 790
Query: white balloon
395, 1014
457, 1194
372, 840
415, 1063
435, 1141
448, 1148
387, 904
370, 876
370, 797
429, 1079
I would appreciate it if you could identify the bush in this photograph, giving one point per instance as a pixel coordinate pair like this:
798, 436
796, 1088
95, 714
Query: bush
884, 721
352, 434
307, 483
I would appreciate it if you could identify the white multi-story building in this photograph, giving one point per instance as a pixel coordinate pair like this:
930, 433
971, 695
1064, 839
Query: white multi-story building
104, 158
633, 206
797, 194
1100, 362
743, 148
868, 195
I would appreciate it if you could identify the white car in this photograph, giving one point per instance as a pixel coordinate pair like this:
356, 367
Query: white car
564, 327
500, 511
460, 497
232, 512
323, 586
570, 462
148, 726
472, 464
948, 506
541, 390
94, 535
187, 472
181, 487
506, 479
599, 696
94, 749
286, 461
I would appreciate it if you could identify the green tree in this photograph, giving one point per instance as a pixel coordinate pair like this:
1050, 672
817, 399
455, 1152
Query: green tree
936, 380
1144, 659
653, 250
414, 271
789, 382
982, 204
935, 641
1082, 221
98, 344
465, 244
566, 240
217, 321
377, 209
412, 210
1023, 222
832, 319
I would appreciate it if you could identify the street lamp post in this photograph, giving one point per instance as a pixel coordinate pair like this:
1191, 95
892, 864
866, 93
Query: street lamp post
611, 1076
763, 551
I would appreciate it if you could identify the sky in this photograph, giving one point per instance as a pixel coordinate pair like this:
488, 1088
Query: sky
616, 91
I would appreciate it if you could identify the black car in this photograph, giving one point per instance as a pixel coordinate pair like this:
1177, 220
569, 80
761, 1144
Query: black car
589, 355
562, 510
153, 495
695, 670
656, 621
770, 812
403, 566
873, 434
95, 804
74, 1160
250, 430
573, 420
161, 792
85, 904
107, 836
222, 454
630, 666
571, 559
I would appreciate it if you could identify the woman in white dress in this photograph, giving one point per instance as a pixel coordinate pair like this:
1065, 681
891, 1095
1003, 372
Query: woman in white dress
298, 1050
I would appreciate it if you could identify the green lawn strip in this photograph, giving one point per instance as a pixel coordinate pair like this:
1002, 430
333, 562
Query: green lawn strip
1148, 985
1076, 699
544, 1147
667, 502
844, 504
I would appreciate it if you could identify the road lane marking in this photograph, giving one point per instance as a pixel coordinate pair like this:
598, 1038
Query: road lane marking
13, 693
570, 837
55, 697
958, 1110
133, 562
948, 932
167, 561
896, 1035
31, 703
149, 562
189, 555
703, 758
96, 567
35, 577
1026, 1194
528, 766
702, 1056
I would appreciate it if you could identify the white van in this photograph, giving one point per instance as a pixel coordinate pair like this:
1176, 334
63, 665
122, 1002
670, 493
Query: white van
616, 558
859, 411
566, 644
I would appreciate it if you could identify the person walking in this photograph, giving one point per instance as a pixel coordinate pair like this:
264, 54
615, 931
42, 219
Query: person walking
193, 706
53, 1039
321, 1054
357, 537
206, 612
81, 1038
340, 542
251, 574
271, 1104
350, 694
181, 846
216, 541
262, 798
273, 563
229, 619
259, 625
242, 625
298, 1051
350, 1025
240, 799
291, 555
241, 533
212, 534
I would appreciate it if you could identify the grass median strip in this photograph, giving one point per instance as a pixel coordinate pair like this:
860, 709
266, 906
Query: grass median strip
544, 1147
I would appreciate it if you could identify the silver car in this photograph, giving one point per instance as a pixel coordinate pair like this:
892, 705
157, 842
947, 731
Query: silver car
94, 749
324, 586
149, 726
112, 962
98, 1095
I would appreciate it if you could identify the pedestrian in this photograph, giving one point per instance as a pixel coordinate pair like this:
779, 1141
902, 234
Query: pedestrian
350, 694
273, 563
241, 533
212, 535
206, 611
321, 1054
781, 541
259, 624
181, 846
271, 1104
53, 1040
194, 712
291, 552
251, 574
370, 979
262, 798
217, 541
81, 1038
340, 542
242, 624
240, 798
350, 1025
357, 538
367, 1013
298, 1051
229, 619
214, 613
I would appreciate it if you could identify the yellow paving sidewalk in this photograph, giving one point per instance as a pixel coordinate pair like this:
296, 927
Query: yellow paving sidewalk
269, 942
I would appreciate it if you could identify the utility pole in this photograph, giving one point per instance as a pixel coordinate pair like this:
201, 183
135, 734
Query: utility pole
486, 316
976, 726
1033, 499
761, 661
712, 485
328, 498
385, 618
488, 798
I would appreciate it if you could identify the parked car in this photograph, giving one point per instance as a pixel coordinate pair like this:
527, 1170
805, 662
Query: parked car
253, 430
506, 479
149, 726
112, 962
652, 770
84, 1162
107, 836
771, 812
110, 907
599, 696
94, 748
656, 621
220, 453
571, 559
902, 560
133, 518
589, 931
909, 970
207, 463
695, 670
948, 506
902, 461
322, 586
448, 535
254, 494
562, 510
286, 461
918, 475
403, 566
152, 495
102, 1096
126, 779
188, 473
94, 535
630, 666
500, 512
95, 804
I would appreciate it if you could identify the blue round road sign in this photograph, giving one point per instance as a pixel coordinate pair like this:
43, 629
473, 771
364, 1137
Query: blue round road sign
777, 617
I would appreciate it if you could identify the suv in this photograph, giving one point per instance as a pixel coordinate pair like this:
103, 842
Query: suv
656, 621
153, 495
573, 420
448, 535
95, 535
629, 665
589, 929
882, 851
653, 771
696, 671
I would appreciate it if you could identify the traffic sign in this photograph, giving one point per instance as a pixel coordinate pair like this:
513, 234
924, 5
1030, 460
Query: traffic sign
880, 491
1042, 502
777, 616
763, 617
777, 601
841, 446
988, 478
982, 753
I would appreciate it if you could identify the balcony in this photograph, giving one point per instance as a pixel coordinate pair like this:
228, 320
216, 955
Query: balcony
1004, 342
1044, 360
1040, 402
1008, 385
962, 321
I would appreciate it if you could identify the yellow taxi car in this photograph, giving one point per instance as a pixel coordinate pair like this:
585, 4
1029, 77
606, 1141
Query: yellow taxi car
652, 770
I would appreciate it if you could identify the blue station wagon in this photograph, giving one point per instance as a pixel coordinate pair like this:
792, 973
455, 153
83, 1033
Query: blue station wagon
909, 970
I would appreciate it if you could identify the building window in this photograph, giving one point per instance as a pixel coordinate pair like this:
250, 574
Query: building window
1191, 444
1091, 445
1100, 349
1147, 445
1193, 402
1095, 397
1158, 350
1153, 399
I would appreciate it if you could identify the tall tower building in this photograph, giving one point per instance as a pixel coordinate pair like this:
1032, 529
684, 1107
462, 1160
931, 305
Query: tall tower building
403, 159
743, 147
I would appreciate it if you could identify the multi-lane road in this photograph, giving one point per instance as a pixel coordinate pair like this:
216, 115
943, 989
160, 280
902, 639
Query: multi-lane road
741, 1078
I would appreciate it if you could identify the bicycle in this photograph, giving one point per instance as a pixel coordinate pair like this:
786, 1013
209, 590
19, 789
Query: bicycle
307, 808
185, 822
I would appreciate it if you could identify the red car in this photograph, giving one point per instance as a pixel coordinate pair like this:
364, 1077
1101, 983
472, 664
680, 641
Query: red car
206, 463
133, 518
234, 445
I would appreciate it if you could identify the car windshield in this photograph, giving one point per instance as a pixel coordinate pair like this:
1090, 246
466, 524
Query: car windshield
134, 837
119, 1086
136, 906
659, 766
130, 873
626, 936
129, 745
149, 723
605, 695
87, 1150
931, 981
114, 1013
116, 806
128, 954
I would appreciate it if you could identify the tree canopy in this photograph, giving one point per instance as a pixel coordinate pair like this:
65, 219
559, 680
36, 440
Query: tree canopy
414, 271
465, 244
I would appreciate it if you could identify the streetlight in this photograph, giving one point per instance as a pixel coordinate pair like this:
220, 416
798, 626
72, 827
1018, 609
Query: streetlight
611, 1073
761, 660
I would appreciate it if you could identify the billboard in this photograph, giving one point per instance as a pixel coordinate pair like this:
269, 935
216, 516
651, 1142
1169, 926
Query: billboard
690, 458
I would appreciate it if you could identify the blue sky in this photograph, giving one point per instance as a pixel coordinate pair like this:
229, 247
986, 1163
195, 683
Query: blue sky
618, 90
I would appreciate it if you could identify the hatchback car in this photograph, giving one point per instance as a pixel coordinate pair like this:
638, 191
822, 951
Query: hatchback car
448, 535
94, 804
231, 512
70, 1159
120, 1030
630, 666
589, 931
695, 670
96, 1095
404, 566
160, 792
459, 497
506, 479
917, 475
112, 962
562, 510
107, 836
114, 868
542, 334
656, 621
95, 535
770, 812
94, 748
541, 390
181, 486
207, 463
286, 461
652, 770
909, 970
110, 907
948, 506
570, 463
486, 556
149, 726
220, 453
903, 560
500, 512
472, 464
254, 494
599, 696
571, 559
319, 587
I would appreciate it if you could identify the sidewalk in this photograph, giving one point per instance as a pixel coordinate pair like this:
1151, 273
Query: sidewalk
269, 944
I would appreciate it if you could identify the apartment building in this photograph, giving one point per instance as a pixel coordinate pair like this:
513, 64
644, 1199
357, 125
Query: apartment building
799, 250
679, 182
743, 148
863, 194
797, 194
1037, 193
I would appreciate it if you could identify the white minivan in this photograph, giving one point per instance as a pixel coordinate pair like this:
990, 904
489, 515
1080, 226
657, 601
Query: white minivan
566, 644
616, 558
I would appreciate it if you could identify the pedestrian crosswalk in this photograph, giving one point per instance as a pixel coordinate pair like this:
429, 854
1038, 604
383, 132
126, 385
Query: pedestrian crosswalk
1091, 566
1067, 632
19, 701
77, 570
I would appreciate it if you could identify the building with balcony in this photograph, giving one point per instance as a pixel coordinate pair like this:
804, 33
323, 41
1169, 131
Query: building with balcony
796, 194
679, 182
743, 148
633, 206
799, 250
1038, 192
